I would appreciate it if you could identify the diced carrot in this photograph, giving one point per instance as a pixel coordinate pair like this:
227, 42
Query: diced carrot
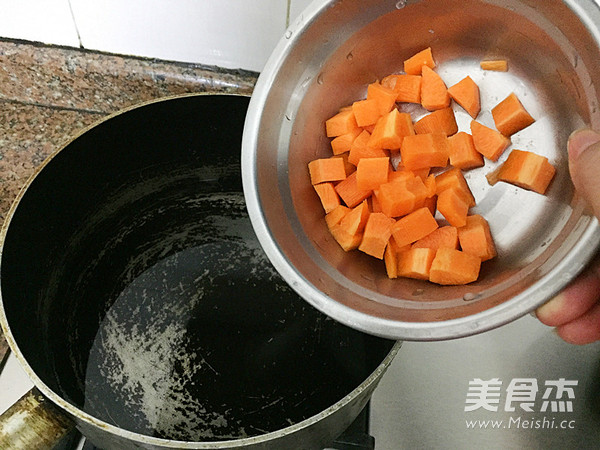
402, 174
421, 173
452, 205
476, 239
374, 205
414, 64
348, 166
463, 154
446, 236
335, 217
431, 204
430, 185
342, 123
510, 116
390, 130
342, 143
489, 142
415, 263
434, 92
406, 87
440, 121
376, 235
369, 128
466, 94
349, 192
413, 226
424, 151
525, 169
326, 169
390, 257
372, 172
346, 240
417, 186
498, 65
383, 96
454, 179
328, 196
356, 219
360, 149
395, 198
454, 267
366, 112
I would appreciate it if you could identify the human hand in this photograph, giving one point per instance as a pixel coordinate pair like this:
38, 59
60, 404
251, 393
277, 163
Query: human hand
575, 312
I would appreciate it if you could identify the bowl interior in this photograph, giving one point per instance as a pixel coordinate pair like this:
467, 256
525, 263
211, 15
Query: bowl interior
553, 68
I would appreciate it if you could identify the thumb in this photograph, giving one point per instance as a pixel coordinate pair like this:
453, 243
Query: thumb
584, 165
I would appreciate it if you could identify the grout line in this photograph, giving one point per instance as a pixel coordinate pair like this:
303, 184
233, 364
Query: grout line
287, 13
75, 24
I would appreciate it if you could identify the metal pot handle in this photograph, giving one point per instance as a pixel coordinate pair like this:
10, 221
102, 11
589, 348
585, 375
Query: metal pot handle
33, 422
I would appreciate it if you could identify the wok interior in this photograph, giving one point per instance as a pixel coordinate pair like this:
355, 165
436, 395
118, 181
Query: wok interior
135, 288
554, 69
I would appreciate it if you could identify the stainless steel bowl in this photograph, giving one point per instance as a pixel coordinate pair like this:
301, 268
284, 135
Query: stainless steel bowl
325, 61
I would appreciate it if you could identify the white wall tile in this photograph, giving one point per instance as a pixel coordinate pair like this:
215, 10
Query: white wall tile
48, 21
226, 33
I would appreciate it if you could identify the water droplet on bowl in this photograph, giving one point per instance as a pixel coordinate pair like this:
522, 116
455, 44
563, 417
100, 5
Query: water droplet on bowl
470, 296
418, 292
431, 31
350, 56
320, 79
400, 4
288, 34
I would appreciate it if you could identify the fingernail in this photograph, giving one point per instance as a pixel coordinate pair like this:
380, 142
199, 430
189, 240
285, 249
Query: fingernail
581, 140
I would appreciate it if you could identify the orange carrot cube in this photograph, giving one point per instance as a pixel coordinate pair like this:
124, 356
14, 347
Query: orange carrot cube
384, 97
342, 123
414, 64
413, 226
454, 267
372, 172
366, 112
476, 239
525, 169
406, 87
376, 235
446, 236
454, 179
462, 152
434, 92
335, 216
390, 130
415, 263
489, 142
360, 149
453, 206
497, 65
440, 121
510, 116
326, 169
343, 143
328, 196
466, 94
349, 192
424, 151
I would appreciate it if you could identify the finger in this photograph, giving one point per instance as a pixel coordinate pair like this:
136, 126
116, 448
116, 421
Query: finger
584, 165
573, 302
583, 330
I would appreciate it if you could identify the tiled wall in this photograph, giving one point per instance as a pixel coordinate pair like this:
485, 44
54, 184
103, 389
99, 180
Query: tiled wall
226, 33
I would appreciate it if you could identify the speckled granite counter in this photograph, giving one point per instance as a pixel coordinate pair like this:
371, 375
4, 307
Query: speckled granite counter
48, 94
